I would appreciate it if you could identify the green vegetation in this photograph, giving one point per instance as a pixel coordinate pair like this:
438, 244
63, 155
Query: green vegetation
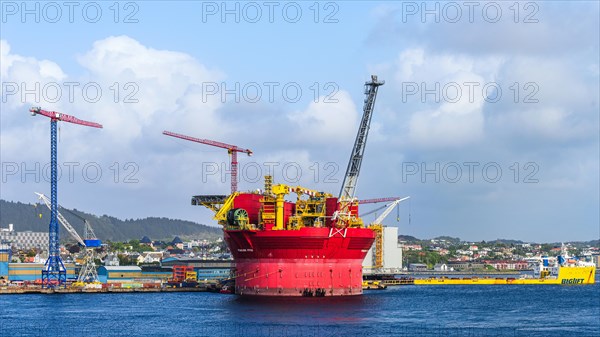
128, 246
430, 258
27, 217
449, 239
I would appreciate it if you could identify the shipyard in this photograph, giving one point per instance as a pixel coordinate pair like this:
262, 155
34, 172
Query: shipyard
315, 246
381, 168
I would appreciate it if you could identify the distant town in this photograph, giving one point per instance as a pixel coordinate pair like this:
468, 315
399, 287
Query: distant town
439, 254
452, 254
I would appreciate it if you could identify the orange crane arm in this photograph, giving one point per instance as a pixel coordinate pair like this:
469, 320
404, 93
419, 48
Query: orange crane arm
232, 149
229, 147
57, 116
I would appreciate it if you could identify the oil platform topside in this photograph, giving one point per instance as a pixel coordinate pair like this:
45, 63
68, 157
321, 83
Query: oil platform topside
313, 246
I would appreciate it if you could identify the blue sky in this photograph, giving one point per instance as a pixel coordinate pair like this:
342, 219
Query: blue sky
488, 118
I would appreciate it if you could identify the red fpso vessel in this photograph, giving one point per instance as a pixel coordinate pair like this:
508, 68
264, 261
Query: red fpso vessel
309, 261
313, 246
284, 248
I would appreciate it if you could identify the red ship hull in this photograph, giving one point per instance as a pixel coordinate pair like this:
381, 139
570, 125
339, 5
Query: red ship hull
305, 262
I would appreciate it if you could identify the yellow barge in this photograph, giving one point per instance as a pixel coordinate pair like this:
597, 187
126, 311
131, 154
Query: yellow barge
576, 275
547, 271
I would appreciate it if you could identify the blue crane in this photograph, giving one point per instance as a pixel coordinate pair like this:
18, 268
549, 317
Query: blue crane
54, 273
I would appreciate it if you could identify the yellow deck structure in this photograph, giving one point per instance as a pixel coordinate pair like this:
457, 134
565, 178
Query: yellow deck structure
566, 275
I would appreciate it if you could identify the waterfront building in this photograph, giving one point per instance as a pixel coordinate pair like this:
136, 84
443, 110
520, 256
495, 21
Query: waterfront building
118, 274
417, 267
441, 267
24, 240
33, 271
206, 269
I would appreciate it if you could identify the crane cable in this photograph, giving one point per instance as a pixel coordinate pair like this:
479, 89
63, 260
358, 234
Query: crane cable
72, 213
35, 210
409, 210
374, 210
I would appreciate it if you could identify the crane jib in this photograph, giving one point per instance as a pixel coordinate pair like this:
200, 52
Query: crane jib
232, 150
354, 164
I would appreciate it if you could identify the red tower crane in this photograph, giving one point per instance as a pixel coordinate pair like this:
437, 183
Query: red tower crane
231, 149
57, 116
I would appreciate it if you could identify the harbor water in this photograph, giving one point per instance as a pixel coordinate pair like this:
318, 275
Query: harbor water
398, 311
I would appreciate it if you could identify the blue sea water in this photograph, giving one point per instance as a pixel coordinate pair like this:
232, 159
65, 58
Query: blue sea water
520, 310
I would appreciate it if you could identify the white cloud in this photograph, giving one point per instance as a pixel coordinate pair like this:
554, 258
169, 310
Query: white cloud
546, 99
525, 29
559, 134
324, 122
169, 90
543, 131
165, 84
455, 116
23, 74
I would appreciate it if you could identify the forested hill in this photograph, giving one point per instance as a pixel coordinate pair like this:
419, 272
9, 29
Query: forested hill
27, 217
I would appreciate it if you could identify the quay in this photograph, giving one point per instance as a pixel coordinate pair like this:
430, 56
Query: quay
39, 290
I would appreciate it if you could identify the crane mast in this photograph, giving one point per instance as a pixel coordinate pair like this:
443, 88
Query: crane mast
353, 170
346, 215
54, 273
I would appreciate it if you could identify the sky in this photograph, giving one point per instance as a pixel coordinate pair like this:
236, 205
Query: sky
488, 118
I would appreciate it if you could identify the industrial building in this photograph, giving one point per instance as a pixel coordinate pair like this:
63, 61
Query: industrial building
157, 272
206, 269
417, 267
132, 274
441, 267
5, 255
465, 265
24, 240
392, 253
33, 271
108, 274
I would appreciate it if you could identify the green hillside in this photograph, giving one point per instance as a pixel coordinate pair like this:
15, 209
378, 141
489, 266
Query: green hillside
27, 217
